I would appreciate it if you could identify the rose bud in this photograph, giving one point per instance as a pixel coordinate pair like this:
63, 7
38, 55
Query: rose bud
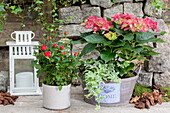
62, 47
44, 47
55, 45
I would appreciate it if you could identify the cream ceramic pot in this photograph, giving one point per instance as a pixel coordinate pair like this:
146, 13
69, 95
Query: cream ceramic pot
55, 99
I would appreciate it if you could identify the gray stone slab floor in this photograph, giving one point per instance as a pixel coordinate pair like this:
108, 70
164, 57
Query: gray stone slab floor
33, 104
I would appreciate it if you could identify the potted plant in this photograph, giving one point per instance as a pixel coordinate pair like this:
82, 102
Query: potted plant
120, 41
59, 68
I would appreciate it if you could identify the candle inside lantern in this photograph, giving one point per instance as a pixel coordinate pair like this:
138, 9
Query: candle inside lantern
24, 79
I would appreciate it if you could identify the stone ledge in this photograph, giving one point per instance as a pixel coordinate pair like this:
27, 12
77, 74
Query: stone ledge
90, 11
113, 10
145, 78
73, 30
134, 9
101, 3
159, 63
162, 79
71, 15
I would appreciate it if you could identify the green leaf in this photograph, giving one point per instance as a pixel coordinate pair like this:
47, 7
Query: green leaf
78, 41
144, 37
60, 87
97, 107
148, 53
39, 2
163, 32
37, 66
2, 8
138, 49
107, 43
119, 32
118, 44
12, 7
107, 55
130, 67
108, 19
95, 38
149, 48
128, 36
141, 58
42, 80
127, 46
85, 34
88, 48
74, 1
153, 53
39, 72
156, 40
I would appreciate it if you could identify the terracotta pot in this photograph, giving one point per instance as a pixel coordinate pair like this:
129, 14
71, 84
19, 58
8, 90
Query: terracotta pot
55, 99
118, 94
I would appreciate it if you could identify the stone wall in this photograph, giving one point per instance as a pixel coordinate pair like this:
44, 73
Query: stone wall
156, 71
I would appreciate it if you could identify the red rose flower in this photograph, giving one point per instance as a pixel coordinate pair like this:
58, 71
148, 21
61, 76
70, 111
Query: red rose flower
44, 47
62, 47
75, 54
64, 52
55, 45
49, 38
65, 32
48, 54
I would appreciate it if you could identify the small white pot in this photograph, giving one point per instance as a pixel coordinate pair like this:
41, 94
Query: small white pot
55, 99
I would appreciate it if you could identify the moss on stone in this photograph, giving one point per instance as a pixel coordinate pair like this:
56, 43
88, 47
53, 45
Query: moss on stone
141, 89
138, 90
166, 99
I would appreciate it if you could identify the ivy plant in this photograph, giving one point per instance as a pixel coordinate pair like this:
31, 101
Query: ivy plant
98, 72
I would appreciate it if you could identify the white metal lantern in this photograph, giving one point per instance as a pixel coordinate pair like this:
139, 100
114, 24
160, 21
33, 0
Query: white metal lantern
23, 77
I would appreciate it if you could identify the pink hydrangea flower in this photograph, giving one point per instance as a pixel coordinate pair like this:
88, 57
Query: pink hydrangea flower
96, 24
128, 22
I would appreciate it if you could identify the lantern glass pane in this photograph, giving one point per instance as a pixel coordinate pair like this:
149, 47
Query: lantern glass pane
23, 73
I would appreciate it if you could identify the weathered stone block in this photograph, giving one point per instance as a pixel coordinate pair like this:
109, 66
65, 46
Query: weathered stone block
139, 0
145, 78
165, 37
71, 15
85, 6
161, 26
159, 63
73, 30
134, 9
90, 11
162, 79
123, 1
79, 47
151, 11
166, 3
167, 19
3, 80
113, 10
101, 3
4, 59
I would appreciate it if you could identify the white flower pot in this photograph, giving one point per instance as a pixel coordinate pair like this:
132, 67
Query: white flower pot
55, 99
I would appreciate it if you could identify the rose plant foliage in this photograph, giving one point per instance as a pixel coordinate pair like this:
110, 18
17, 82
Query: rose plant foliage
119, 40
56, 63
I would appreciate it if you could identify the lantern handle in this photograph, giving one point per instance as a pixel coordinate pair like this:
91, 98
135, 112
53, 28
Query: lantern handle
12, 36
33, 35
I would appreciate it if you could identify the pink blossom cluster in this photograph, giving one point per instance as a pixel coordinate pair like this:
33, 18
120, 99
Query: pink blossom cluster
128, 22
97, 23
